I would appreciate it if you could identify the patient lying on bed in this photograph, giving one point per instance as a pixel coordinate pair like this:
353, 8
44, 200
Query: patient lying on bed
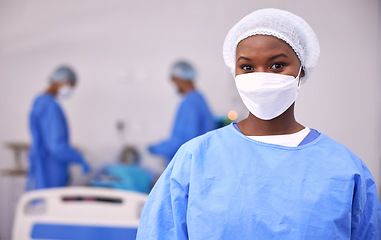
127, 174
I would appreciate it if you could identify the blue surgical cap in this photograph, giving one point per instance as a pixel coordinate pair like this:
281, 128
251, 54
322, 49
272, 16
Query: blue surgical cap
183, 70
63, 74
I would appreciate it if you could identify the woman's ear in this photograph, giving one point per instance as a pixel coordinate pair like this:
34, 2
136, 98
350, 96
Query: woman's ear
302, 74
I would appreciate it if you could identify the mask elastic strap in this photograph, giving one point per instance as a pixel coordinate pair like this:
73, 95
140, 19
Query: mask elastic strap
298, 77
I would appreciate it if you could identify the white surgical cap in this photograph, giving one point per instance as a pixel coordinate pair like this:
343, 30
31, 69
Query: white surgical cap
278, 23
63, 74
183, 70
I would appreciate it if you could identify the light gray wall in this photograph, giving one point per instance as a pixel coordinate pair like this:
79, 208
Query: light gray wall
122, 51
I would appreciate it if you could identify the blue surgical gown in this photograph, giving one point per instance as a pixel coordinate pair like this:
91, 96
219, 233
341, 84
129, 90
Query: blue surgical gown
224, 185
50, 152
193, 118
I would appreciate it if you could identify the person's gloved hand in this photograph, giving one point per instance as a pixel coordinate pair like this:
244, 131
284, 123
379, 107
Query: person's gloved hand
85, 168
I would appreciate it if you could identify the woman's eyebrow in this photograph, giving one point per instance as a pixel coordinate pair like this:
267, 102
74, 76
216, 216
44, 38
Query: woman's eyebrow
243, 58
279, 55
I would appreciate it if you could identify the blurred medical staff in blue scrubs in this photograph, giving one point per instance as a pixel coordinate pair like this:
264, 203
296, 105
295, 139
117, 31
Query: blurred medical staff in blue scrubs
193, 116
50, 152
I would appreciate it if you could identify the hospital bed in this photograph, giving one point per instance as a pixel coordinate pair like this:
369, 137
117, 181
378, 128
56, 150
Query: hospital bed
78, 213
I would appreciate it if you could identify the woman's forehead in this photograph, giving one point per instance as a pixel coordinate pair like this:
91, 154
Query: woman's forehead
263, 44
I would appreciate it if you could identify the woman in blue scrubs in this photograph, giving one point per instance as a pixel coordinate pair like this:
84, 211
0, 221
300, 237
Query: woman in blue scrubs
268, 176
50, 153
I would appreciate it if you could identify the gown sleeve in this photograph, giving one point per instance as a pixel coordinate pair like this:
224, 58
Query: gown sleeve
55, 134
165, 212
366, 209
184, 129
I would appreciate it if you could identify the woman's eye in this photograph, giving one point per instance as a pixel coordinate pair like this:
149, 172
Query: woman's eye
247, 68
277, 66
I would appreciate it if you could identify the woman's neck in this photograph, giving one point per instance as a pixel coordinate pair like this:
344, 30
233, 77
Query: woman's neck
283, 124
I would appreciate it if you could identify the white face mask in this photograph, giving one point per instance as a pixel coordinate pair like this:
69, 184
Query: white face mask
65, 92
267, 95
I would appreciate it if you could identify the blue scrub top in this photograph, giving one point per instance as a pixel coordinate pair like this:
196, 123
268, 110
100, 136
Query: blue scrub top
193, 118
50, 152
224, 185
